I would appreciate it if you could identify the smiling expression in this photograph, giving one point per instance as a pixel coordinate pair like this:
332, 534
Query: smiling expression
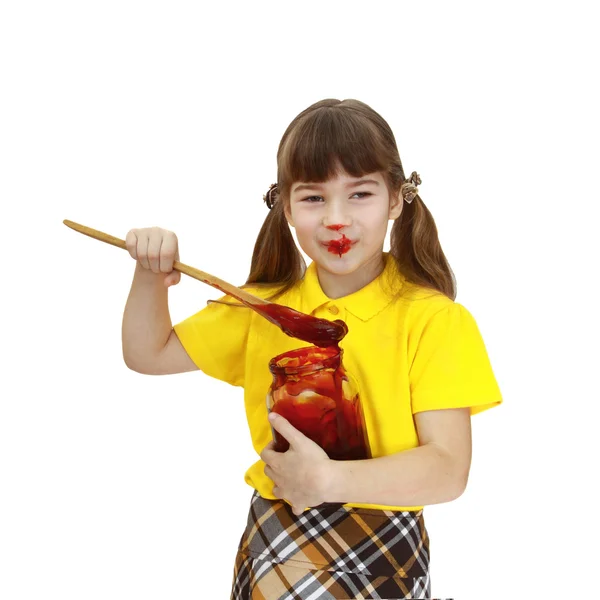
342, 223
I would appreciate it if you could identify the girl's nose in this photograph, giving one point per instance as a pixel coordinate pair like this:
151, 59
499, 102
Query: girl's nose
336, 217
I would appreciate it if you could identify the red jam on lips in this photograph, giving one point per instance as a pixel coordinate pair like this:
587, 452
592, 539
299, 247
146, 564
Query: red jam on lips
340, 246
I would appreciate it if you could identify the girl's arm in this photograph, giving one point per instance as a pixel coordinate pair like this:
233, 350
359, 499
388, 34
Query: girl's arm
150, 345
434, 472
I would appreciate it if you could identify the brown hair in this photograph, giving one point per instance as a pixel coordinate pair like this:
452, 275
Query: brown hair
349, 134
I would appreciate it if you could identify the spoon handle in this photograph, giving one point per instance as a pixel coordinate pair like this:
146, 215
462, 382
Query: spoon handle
207, 278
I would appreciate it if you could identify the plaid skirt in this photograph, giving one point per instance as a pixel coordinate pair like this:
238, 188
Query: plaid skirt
331, 552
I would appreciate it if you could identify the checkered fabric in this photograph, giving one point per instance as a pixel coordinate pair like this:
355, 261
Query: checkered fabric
330, 553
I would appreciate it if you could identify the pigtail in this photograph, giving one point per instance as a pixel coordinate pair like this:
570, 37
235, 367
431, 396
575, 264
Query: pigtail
276, 259
415, 246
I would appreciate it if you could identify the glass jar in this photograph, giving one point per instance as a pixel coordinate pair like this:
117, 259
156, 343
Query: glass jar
314, 392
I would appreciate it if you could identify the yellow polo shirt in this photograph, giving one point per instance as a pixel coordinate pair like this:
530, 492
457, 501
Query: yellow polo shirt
419, 352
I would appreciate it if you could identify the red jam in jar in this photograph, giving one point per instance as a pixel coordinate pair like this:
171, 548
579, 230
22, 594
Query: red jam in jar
314, 392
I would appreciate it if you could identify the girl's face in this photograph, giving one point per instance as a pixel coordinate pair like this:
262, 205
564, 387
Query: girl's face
351, 212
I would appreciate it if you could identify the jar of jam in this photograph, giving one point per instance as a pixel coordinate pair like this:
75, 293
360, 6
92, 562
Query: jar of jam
314, 392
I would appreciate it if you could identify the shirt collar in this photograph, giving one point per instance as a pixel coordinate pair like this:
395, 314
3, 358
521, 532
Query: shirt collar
364, 303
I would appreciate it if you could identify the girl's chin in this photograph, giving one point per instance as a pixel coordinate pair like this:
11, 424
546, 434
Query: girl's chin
338, 264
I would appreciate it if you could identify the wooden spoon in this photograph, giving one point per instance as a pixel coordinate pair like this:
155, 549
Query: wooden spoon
215, 282
320, 332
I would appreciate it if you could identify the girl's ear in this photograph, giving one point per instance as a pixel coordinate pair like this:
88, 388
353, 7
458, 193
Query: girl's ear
288, 215
395, 206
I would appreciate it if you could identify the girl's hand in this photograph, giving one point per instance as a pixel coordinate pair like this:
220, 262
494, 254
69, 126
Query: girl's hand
155, 249
301, 473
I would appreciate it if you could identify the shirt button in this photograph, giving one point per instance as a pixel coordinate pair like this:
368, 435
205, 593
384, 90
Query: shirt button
334, 310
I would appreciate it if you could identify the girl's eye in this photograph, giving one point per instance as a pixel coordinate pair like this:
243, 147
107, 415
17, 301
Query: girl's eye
362, 194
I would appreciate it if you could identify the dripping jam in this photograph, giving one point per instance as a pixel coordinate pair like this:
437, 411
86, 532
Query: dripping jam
319, 332
339, 246
311, 389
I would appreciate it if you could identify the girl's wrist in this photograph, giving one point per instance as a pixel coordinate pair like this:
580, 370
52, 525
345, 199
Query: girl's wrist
148, 276
332, 481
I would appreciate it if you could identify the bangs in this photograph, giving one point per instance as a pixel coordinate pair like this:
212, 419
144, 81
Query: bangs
326, 142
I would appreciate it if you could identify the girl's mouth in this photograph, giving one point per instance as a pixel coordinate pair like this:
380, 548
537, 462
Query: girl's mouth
339, 246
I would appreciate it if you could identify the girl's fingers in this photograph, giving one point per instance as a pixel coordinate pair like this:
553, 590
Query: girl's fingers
155, 249
154, 246
131, 241
142, 251
168, 253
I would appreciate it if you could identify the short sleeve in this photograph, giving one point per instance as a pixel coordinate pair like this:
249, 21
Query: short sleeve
451, 367
216, 338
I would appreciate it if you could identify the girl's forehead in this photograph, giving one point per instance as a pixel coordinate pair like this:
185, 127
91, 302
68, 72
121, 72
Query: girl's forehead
346, 177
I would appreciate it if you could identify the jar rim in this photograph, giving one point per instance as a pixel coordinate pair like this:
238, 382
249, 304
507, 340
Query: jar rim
332, 354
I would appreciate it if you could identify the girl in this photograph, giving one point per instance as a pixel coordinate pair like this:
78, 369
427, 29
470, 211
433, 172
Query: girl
317, 527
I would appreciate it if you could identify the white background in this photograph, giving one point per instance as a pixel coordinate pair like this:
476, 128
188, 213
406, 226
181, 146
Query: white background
132, 114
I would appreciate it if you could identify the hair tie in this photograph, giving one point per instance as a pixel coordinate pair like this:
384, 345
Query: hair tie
409, 188
269, 197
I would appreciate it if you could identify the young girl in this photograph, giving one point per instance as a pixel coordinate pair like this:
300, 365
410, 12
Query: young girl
317, 527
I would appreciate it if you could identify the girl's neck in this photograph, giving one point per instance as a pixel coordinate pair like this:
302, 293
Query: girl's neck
337, 286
